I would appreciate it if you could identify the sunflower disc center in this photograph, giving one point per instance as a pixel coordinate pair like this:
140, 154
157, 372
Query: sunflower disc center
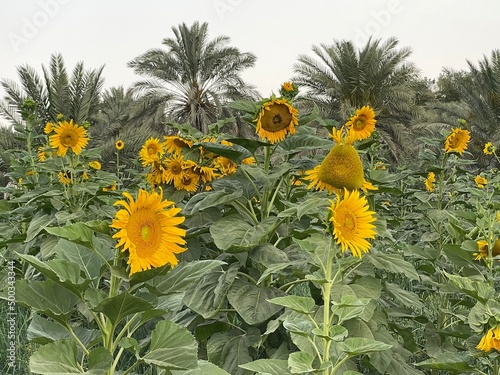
146, 233
276, 118
69, 138
359, 124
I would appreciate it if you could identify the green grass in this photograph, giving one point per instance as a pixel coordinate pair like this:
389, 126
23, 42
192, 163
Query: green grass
23, 348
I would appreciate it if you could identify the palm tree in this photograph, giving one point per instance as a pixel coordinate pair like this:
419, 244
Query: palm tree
195, 77
122, 116
75, 96
343, 79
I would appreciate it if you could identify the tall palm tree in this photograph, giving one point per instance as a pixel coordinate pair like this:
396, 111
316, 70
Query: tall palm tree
76, 96
342, 78
195, 77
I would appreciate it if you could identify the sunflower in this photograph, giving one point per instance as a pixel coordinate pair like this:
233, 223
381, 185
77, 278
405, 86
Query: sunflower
249, 161
287, 86
457, 141
206, 173
352, 222
491, 340
188, 180
225, 165
341, 168
289, 90
151, 151
42, 154
483, 253
109, 187
429, 181
362, 124
480, 181
174, 144
489, 149
68, 135
49, 127
119, 145
275, 120
148, 229
173, 168
64, 178
95, 165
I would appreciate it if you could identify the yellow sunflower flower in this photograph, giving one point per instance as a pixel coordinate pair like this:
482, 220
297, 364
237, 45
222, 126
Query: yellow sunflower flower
341, 168
174, 144
480, 181
249, 161
119, 145
489, 149
483, 253
49, 127
457, 141
148, 229
109, 187
362, 124
151, 151
94, 164
206, 173
188, 181
275, 120
352, 222
225, 165
68, 135
173, 168
429, 181
64, 178
287, 86
42, 154
491, 340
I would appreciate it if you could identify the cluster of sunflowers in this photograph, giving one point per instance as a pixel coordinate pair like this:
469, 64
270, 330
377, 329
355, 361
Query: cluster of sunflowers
187, 164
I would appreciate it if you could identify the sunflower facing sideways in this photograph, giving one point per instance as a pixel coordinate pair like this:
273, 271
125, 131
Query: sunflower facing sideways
275, 120
148, 229
457, 141
68, 136
352, 222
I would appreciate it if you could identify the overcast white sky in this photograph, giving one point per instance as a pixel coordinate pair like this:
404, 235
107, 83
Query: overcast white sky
441, 33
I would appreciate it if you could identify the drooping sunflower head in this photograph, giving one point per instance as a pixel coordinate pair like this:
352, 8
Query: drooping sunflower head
483, 250
174, 144
490, 340
480, 181
457, 141
148, 229
151, 151
352, 222
362, 124
68, 136
429, 181
489, 149
226, 166
119, 145
276, 119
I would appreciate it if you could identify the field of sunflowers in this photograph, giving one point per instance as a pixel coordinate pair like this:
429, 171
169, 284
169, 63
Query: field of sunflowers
296, 251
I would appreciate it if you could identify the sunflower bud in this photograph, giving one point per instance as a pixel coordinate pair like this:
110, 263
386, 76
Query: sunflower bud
342, 168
